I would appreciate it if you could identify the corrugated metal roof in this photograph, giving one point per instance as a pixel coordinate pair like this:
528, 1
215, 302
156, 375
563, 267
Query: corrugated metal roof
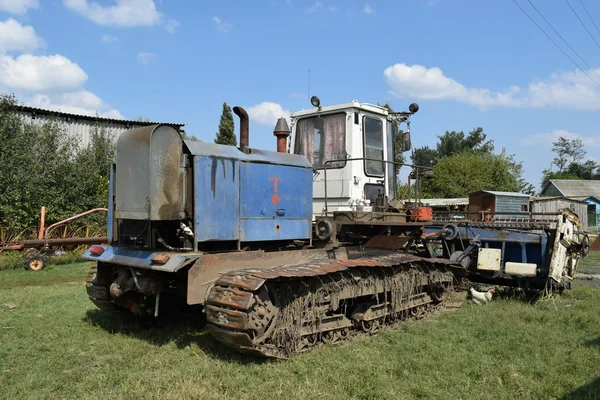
89, 117
579, 199
444, 202
576, 187
513, 194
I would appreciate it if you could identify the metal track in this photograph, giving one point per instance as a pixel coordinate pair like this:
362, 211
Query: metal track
277, 312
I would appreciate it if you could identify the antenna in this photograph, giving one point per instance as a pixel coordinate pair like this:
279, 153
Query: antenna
309, 85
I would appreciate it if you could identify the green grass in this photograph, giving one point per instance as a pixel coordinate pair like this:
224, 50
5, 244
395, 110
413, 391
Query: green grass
55, 344
590, 264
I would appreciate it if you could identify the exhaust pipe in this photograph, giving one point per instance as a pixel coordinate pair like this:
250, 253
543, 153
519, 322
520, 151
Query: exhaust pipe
244, 127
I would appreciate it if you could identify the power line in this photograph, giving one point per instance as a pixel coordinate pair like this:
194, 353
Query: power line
588, 31
563, 39
588, 13
554, 43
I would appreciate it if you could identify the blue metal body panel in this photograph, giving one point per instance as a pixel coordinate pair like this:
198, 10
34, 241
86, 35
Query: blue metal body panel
216, 198
275, 202
517, 245
259, 196
259, 156
140, 258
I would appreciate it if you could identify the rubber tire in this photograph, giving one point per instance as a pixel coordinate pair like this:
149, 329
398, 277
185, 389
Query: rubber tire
452, 235
585, 246
327, 226
37, 266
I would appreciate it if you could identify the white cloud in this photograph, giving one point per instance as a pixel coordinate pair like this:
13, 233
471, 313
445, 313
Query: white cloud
222, 26
40, 73
571, 90
146, 58
368, 9
267, 113
110, 38
171, 26
18, 7
319, 6
16, 37
298, 95
128, 13
546, 139
80, 102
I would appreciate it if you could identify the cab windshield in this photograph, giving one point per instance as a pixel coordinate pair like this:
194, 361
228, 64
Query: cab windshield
322, 138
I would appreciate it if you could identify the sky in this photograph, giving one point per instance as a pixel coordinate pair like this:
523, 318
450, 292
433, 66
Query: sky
467, 63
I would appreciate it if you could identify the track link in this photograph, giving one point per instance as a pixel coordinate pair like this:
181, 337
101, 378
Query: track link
277, 312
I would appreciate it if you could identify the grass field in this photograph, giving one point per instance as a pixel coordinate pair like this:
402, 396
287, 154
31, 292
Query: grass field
55, 344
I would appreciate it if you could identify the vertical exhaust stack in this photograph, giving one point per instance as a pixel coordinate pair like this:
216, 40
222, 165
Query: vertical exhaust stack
282, 131
244, 127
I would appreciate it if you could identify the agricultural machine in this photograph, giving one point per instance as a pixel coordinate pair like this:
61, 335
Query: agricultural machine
310, 244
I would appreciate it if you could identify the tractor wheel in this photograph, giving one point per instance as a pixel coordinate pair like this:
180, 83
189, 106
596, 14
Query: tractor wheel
35, 263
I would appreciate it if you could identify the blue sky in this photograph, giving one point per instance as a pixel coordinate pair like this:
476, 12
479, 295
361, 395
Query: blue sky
467, 63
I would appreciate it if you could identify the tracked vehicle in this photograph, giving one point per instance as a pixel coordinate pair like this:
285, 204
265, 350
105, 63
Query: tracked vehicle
284, 250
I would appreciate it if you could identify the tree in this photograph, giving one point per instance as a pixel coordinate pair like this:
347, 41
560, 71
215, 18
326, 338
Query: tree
568, 152
185, 136
468, 172
226, 134
425, 156
463, 164
569, 161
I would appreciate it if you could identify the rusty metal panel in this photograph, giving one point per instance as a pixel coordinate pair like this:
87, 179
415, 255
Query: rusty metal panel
228, 318
232, 338
149, 177
230, 297
241, 280
387, 242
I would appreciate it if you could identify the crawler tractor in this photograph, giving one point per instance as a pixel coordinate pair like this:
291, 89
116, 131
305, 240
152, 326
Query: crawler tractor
310, 244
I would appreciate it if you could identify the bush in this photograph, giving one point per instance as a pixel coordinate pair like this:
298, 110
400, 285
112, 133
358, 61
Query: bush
43, 166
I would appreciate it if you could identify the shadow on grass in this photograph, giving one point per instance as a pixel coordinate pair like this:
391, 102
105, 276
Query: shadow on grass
594, 342
181, 328
589, 391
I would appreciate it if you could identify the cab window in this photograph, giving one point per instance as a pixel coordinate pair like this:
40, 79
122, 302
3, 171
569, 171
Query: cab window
322, 138
373, 139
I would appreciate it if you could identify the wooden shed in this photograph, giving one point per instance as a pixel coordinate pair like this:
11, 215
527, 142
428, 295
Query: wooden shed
502, 203
555, 204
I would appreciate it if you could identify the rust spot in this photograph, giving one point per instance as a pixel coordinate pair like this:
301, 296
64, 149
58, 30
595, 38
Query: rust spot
277, 227
228, 318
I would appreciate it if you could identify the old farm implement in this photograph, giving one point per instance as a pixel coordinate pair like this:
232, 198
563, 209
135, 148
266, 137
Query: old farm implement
36, 251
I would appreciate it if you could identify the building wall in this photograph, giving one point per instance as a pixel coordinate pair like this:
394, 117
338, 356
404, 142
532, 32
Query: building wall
555, 205
512, 204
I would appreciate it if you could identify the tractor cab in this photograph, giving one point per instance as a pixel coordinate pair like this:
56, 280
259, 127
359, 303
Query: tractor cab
351, 147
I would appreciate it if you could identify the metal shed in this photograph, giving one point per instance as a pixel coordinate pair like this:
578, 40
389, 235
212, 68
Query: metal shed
502, 203
555, 204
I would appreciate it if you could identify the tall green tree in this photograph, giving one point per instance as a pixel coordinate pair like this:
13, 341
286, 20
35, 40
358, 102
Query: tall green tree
226, 132
570, 154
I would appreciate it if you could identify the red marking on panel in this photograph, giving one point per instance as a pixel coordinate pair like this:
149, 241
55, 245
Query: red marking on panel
275, 180
275, 199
